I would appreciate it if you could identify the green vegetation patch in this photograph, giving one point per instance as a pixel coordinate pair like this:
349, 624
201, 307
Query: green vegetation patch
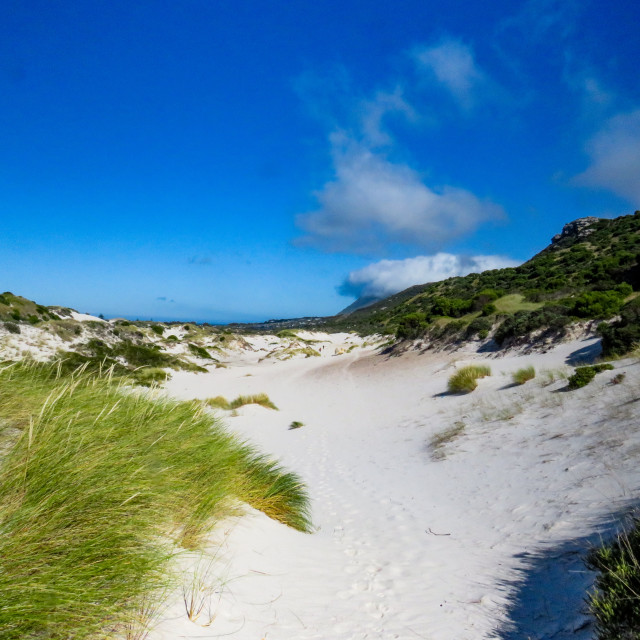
584, 375
624, 335
465, 379
199, 352
615, 601
524, 375
220, 402
96, 488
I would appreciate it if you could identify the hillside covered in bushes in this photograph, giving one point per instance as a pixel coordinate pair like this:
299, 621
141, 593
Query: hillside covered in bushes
589, 272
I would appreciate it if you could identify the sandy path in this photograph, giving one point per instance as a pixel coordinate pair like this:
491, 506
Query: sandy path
406, 546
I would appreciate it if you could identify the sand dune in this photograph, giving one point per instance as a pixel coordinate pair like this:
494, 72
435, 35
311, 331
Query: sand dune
479, 538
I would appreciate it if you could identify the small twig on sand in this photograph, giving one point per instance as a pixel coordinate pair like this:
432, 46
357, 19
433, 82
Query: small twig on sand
433, 533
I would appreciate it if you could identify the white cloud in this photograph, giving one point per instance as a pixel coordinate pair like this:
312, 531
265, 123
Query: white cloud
372, 113
615, 158
384, 278
452, 64
373, 202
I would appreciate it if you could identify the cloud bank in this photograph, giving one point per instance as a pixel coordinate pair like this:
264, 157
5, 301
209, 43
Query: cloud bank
373, 202
386, 277
615, 158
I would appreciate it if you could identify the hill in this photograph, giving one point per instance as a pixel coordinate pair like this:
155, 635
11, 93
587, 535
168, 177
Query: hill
589, 272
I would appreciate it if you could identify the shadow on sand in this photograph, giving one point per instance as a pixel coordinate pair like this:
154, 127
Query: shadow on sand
549, 600
585, 355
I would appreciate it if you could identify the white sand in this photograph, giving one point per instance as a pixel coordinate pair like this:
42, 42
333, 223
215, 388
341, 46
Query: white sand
407, 546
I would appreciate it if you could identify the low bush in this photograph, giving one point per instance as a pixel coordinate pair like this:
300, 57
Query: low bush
622, 336
12, 327
296, 424
581, 377
157, 329
597, 304
199, 352
479, 327
618, 378
584, 375
465, 379
615, 602
411, 326
553, 318
287, 333
523, 375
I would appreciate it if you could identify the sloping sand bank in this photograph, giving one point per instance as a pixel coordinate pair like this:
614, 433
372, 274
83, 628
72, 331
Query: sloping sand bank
461, 539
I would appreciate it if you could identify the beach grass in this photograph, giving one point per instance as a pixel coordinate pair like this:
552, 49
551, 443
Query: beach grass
615, 601
465, 379
100, 487
524, 375
220, 402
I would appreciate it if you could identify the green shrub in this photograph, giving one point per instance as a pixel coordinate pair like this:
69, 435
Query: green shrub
479, 326
199, 352
622, 336
615, 602
157, 329
12, 327
296, 424
287, 333
523, 375
489, 309
597, 304
522, 323
465, 379
97, 489
584, 375
172, 338
411, 325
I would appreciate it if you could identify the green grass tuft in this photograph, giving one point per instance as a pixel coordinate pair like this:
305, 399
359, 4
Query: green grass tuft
523, 375
615, 602
465, 379
220, 402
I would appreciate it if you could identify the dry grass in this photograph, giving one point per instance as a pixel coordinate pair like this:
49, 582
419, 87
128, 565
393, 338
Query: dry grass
439, 440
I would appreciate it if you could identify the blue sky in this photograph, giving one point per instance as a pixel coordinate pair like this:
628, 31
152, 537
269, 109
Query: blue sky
235, 160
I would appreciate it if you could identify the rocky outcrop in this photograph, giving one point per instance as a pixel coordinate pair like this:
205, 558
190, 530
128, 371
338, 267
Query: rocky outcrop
578, 229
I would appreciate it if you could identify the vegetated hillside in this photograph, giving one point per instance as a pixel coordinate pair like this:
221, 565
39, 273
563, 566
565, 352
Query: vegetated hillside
590, 271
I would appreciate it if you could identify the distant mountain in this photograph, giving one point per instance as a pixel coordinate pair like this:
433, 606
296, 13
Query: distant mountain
360, 303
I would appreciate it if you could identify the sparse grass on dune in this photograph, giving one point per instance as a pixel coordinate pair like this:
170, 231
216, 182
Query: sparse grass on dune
220, 402
99, 488
439, 440
524, 375
465, 379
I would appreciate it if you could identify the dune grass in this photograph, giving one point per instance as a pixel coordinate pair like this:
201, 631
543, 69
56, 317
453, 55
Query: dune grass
100, 487
615, 601
220, 402
465, 379
524, 375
